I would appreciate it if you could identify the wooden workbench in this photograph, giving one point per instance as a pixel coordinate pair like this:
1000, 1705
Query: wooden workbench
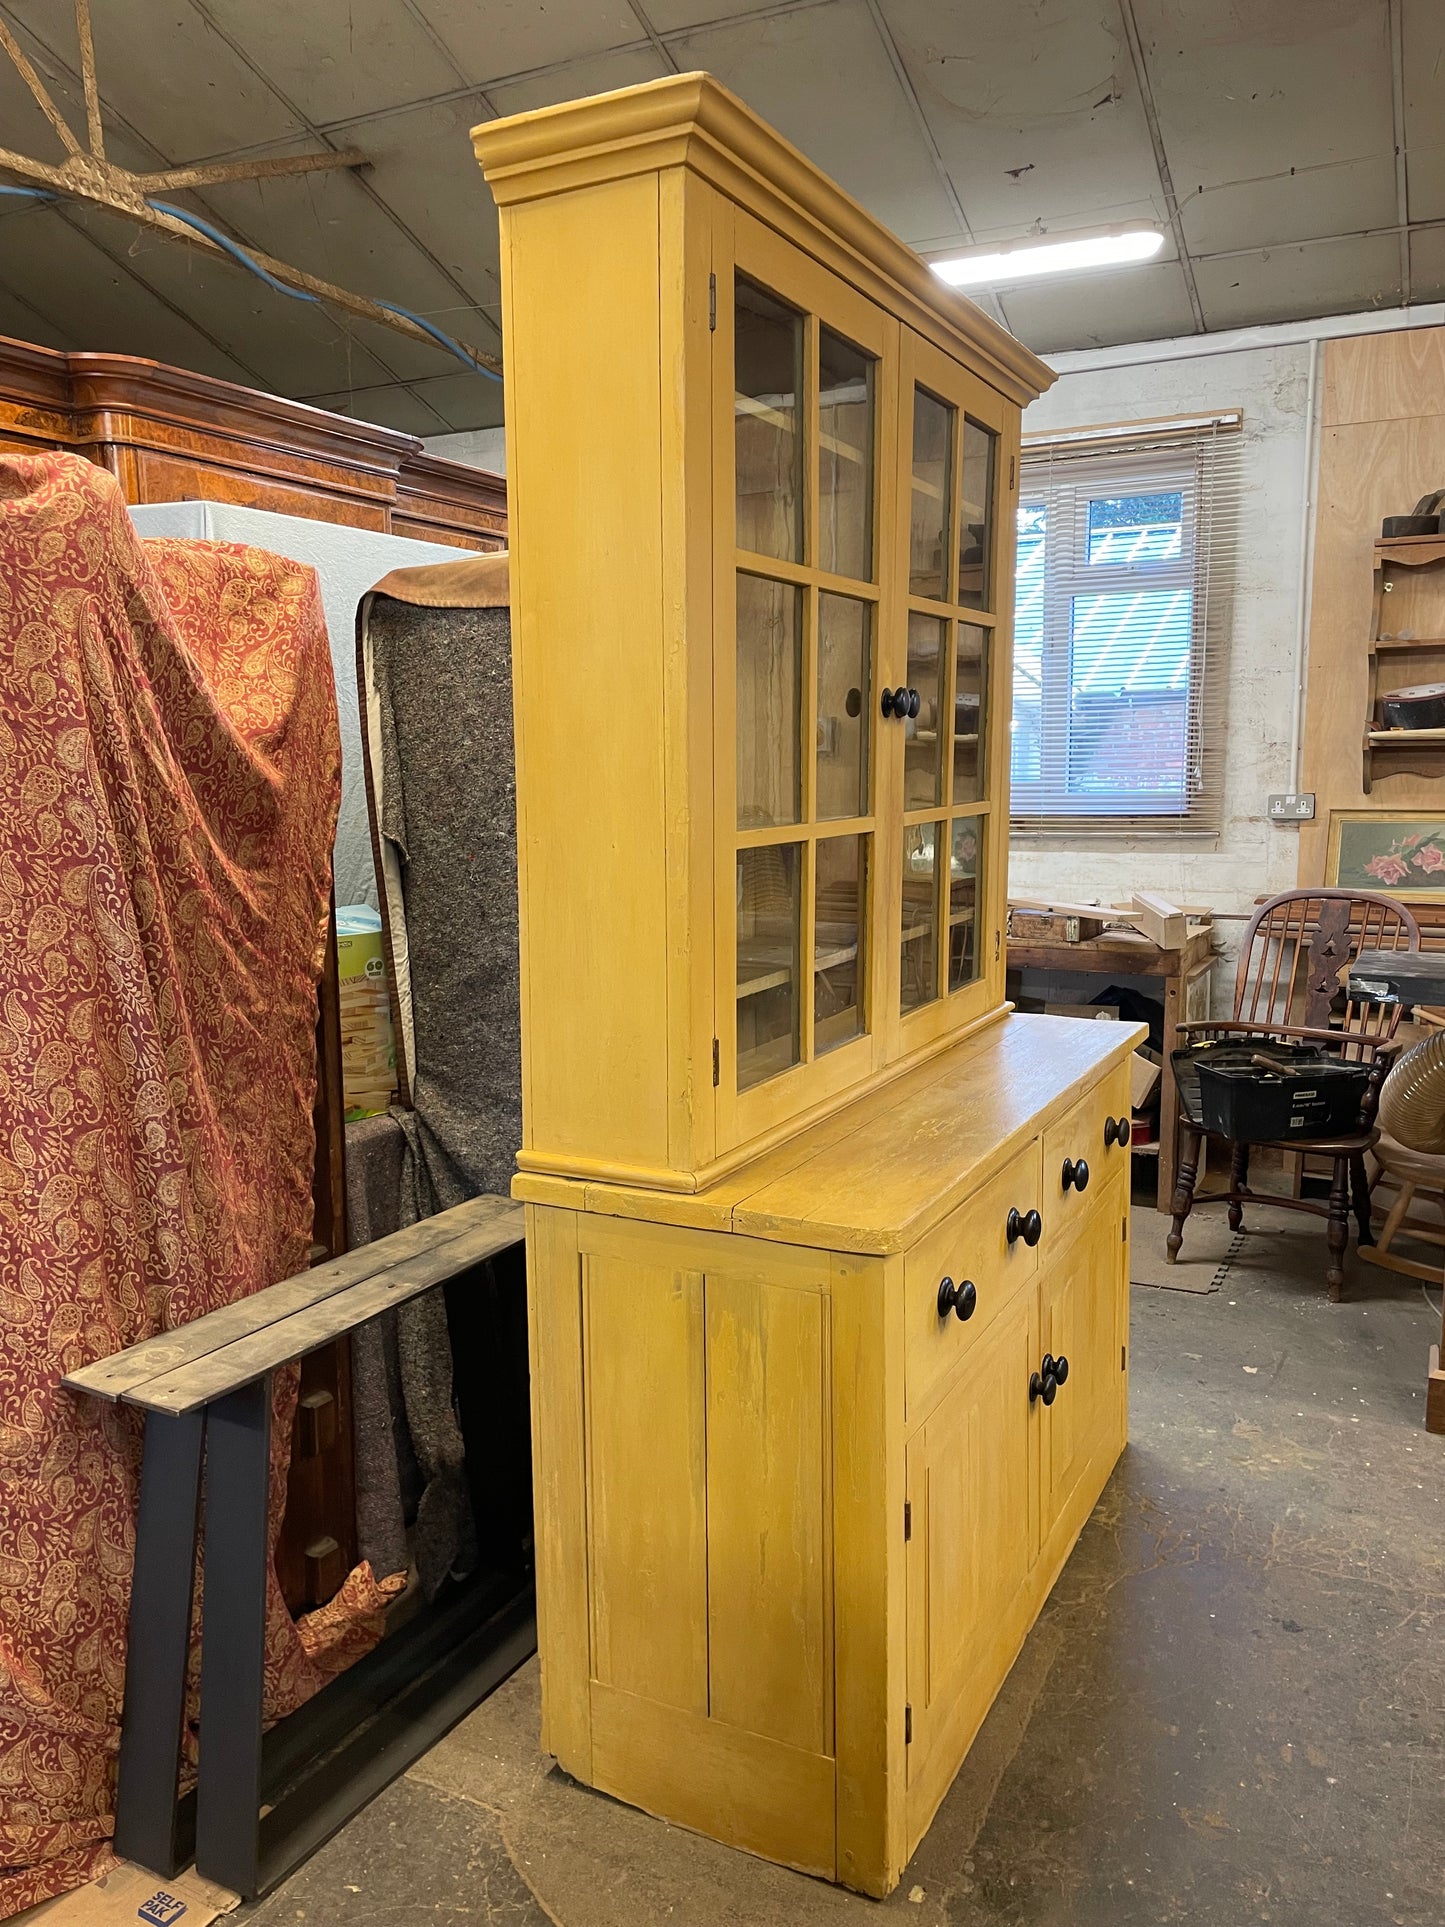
1184, 973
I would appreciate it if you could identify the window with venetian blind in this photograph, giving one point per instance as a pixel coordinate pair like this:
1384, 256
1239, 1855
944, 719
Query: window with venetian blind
1126, 549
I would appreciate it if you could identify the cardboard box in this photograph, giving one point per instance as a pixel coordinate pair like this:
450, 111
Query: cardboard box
368, 1047
1146, 1067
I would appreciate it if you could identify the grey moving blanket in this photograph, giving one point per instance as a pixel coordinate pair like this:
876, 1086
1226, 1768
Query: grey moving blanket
435, 684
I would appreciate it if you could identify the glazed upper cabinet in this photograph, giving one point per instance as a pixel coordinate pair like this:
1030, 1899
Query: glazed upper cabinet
763, 479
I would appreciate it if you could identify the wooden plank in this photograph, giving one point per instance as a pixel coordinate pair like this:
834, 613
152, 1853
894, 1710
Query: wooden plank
769, 1628
739, 1788
127, 1371
559, 1485
284, 1339
869, 1623
646, 1501
1161, 921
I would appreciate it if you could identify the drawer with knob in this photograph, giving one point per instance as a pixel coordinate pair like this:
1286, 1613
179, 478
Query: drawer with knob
1084, 1150
959, 1277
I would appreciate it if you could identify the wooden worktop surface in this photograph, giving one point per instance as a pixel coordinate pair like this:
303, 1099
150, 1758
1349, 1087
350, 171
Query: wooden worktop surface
881, 1172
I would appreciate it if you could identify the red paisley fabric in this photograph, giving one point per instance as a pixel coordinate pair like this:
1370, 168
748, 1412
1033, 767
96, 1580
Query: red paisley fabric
170, 773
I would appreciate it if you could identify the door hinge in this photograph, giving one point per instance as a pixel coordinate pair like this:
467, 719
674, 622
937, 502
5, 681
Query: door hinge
908, 1726
908, 1519
1123, 1357
712, 303
716, 1062
997, 943
1123, 1231
1012, 473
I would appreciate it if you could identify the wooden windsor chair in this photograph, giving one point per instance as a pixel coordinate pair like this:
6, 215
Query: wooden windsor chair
1291, 986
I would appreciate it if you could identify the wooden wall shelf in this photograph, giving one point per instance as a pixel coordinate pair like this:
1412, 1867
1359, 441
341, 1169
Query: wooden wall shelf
1408, 752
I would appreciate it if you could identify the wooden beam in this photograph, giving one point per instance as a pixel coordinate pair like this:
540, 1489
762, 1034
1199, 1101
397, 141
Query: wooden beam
87, 77
1161, 921
37, 87
213, 173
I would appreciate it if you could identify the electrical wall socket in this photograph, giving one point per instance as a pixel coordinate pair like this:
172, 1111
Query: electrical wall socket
1292, 809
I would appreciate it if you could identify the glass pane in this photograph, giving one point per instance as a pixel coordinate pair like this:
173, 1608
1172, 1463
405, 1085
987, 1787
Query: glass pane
840, 910
1129, 693
968, 712
845, 458
1125, 529
964, 901
975, 514
844, 705
1026, 726
919, 948
932, 463
768, 932
922, 759
770, 673
768, 360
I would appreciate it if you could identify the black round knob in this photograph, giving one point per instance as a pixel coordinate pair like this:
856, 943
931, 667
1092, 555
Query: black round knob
1116, 1131
894, 702
1061, 1368
1076, 1173
1043, 1385
915, 702
1027, 1225
961, 1300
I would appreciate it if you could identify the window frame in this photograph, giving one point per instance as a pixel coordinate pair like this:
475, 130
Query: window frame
1065, 478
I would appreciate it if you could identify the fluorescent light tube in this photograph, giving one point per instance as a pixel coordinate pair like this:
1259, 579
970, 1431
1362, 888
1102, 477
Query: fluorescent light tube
1021, 260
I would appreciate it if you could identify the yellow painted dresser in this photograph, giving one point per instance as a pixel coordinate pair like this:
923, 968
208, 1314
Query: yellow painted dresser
827, 1250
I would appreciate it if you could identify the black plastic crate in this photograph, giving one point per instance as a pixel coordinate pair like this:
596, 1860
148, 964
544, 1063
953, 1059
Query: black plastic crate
1256, 1091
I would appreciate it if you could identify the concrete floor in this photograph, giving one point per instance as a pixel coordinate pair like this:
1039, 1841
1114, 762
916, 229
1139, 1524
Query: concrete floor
1232, 1708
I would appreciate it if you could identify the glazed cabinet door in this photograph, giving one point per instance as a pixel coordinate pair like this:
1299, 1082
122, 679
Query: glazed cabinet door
972, 1499
1084, 1290
803, 387
945, 719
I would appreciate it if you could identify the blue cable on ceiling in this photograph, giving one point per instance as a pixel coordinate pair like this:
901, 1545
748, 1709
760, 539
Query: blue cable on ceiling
239, 254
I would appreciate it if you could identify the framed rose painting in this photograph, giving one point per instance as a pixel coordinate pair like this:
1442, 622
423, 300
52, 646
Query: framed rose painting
1392, 855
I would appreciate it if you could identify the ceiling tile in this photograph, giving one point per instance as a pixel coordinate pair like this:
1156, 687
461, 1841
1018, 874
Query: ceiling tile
1099, 310
1423, 40
95, 302
1291, 283
598, 75
1247, 94
26, 129
164, 69
823, 79
337, 58
514, 36
424, 169
668, 15
1315, 202
1427, 265
393, 406
461, 400
1035, 112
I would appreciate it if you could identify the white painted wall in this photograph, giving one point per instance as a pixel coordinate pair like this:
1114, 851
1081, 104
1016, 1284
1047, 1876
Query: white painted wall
1249, 856
479, 447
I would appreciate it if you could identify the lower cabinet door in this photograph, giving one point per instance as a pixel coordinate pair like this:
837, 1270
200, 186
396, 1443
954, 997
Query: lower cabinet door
1083, 1294
973, 1498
